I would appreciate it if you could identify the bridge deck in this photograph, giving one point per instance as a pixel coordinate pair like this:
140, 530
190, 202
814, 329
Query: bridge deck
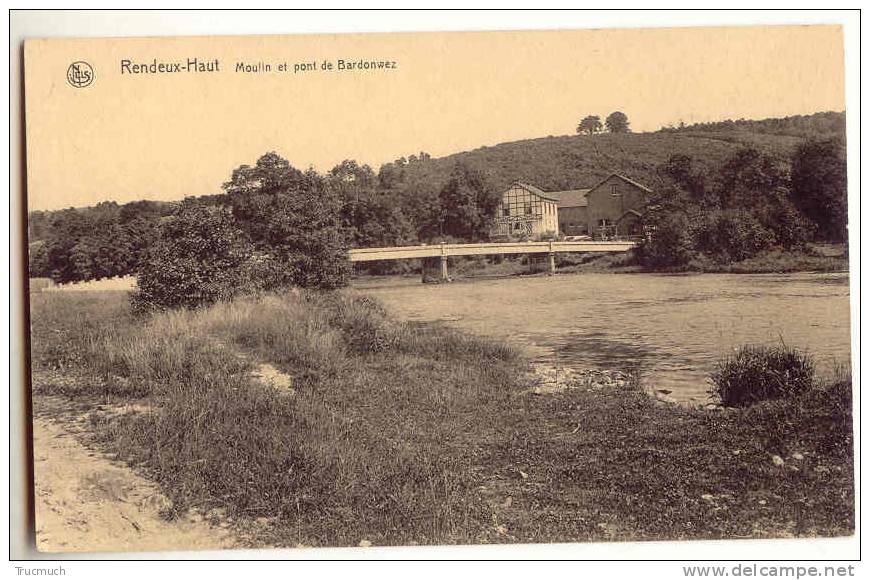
405, 252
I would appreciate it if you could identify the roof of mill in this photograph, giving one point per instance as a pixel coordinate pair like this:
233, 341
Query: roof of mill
576, 197
533, 189
567, 198
570, 197
625, 179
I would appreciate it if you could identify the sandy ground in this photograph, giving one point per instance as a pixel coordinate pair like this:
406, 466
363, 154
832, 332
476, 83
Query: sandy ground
87, 503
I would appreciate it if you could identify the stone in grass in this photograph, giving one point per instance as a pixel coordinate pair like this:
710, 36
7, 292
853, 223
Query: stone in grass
365, 544
777, 460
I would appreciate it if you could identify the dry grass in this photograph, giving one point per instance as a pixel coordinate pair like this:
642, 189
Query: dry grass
415, 434
359, 451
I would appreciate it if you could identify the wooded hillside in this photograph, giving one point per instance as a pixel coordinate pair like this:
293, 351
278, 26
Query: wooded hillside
420, 198
578, 161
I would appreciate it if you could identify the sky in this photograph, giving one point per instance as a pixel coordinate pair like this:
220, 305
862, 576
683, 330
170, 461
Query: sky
129, 136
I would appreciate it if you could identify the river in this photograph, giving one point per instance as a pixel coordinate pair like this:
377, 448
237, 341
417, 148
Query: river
673, 328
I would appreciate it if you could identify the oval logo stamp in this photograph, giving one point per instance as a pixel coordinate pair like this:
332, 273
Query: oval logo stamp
80, 74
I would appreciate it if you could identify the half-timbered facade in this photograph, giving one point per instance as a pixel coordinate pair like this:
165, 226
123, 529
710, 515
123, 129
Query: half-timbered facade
526, 211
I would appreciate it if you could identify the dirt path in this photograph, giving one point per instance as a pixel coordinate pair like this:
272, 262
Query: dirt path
87, 503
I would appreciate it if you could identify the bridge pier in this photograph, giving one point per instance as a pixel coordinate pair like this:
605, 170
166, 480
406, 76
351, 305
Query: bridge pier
435, 273
540, 262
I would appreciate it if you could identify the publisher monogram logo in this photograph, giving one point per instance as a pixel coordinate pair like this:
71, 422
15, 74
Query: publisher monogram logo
80, 74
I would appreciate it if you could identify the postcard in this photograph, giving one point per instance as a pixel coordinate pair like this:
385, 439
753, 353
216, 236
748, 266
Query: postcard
445, 288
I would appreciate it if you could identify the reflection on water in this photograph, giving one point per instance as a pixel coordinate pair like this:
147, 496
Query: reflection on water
672, 327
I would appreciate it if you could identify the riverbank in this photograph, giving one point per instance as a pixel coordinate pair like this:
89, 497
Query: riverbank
403, 433
816, 258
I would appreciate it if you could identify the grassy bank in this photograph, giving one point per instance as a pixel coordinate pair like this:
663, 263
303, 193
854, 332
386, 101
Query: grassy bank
777, 261
415, 434
817, 258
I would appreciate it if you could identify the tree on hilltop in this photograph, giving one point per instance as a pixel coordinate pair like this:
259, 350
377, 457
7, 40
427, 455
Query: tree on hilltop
617, 122
590, 125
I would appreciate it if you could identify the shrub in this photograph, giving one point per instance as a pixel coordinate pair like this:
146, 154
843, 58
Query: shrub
38, 265
302, 230
792, 230
733, 235
758, 373
670, 243
198, 259
818, 177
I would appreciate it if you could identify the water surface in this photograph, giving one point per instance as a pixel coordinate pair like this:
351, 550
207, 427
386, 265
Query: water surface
674, 328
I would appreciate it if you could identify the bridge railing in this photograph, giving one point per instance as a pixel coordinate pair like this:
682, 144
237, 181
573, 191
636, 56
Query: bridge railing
489, 248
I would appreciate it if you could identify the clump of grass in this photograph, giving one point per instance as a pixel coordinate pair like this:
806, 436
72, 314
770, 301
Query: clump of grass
758, 373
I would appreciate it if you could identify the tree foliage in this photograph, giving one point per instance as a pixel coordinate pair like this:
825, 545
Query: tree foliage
671, 246
749, 178
403, 201
294, 219
468, 204
103, 241
803, 126
744, 208
590, 125
682, 171
731, 235
198, 258
818, 175
617, 122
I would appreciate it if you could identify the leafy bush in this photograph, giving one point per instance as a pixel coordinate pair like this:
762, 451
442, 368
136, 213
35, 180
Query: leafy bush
818, 176
304, 234
199, 258
758, 373
670, 245
733, 235
38, 265
293, 217
791, 229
